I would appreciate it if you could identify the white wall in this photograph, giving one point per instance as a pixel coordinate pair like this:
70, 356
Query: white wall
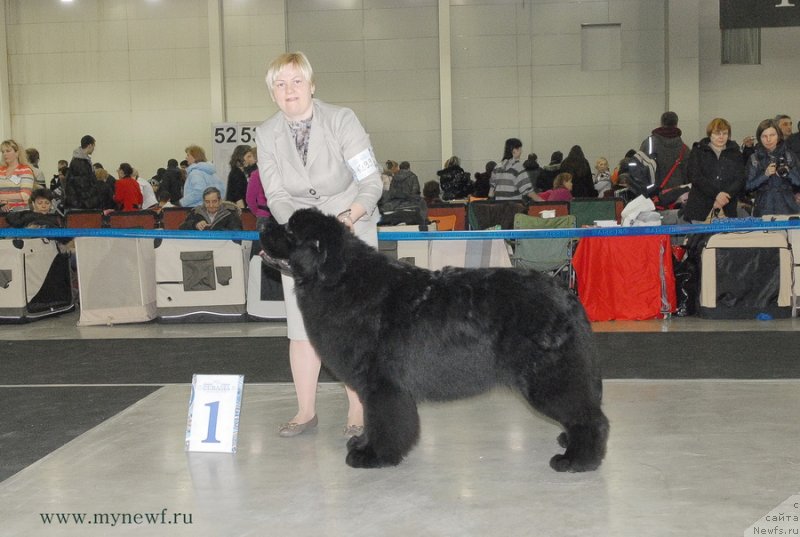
138, 74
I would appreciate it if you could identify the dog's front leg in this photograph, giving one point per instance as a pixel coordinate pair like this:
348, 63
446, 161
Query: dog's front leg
391, 427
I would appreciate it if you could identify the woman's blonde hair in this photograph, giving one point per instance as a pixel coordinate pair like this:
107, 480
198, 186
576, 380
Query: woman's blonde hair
197, 152
15, 146
298, 59
562, 179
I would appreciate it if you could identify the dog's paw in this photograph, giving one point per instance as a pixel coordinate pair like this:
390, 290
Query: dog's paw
561, 463
357, 442
365, 457
562, 440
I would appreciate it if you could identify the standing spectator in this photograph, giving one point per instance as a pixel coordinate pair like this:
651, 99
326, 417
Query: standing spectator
127, 193
172, 181
57, 180
16, 179
256, 200
81, 191
773, 173
33, 162
250, 162
149, 199
716, 173
785, 125
578, 167
549, 172
482, 183
666, 147
105, 190
337, 174
509, 179
199, 176
533, 168
237, 180
453, 180
405, 183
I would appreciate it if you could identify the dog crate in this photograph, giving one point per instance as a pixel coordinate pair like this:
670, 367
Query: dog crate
265, 300
35, 280
201, 280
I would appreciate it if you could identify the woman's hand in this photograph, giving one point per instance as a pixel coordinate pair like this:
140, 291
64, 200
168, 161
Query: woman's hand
722, 199
201, 225
771, 169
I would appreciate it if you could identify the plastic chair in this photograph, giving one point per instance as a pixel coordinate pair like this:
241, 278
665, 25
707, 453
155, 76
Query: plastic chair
173, 217
444, 223
85, 219
459, 210
248, 220
552, 256
132, 220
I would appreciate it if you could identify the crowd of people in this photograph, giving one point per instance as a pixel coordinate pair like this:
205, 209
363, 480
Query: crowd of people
714, 177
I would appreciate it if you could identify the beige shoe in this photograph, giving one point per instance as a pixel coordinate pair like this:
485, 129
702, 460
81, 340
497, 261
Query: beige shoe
353, 430
288, 430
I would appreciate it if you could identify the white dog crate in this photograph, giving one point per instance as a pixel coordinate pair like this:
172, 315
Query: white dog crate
264, 292
793, 235
201, 280
34, 280
416, 253
117, 280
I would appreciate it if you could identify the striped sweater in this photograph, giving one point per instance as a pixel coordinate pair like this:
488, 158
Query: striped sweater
510, 181
15, 187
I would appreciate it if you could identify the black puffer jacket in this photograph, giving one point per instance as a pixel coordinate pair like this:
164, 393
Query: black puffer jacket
710, 175
81, 190
774, 194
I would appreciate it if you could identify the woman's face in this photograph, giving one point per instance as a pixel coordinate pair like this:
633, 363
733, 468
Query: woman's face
190, 159
769, 139
249, 159
516, 152
9, 155
719, 138
602, 166
41, 205
293, 93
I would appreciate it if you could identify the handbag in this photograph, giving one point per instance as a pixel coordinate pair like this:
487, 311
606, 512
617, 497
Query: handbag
714, 214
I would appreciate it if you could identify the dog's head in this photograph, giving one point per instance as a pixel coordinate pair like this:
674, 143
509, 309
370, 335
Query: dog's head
310, 246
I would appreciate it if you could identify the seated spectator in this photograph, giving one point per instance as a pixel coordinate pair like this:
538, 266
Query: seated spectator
200, 176
214, 214
39, 214
481, 186
561, 191
127, 194
602, 176
405, 183
389, 169
431, 193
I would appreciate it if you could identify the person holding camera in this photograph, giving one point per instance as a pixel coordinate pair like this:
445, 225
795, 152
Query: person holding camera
772, 173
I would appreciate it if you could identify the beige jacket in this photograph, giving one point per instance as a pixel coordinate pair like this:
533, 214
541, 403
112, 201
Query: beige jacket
340, 165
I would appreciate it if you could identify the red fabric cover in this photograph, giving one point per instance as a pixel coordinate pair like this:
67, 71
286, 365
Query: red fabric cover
620, 277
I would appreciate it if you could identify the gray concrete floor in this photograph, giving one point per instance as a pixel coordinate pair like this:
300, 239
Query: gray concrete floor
685, 458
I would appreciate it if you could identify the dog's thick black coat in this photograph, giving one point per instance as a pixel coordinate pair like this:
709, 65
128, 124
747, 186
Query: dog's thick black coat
398, 334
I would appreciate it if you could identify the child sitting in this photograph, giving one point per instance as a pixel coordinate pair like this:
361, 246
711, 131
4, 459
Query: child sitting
561, 191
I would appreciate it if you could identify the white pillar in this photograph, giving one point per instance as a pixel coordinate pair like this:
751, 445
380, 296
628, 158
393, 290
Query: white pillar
216, 58
5, 108
682, 65
445, 80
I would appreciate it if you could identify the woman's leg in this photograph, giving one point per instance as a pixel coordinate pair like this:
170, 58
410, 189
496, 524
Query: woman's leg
305, 374
355, 414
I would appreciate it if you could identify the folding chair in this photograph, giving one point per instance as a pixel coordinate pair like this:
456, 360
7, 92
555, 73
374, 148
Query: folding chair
587, 210
552, 256
459, 210
444, 223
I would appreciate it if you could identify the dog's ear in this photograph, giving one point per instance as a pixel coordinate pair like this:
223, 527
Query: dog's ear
319, 253
275, 241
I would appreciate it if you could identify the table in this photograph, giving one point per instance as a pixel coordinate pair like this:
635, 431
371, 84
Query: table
625, 278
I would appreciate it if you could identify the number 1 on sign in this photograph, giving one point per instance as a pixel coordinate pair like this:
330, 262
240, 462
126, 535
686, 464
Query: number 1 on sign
211, 437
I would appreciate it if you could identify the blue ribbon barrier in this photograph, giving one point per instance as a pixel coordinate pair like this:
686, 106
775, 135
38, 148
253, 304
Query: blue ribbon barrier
728, 225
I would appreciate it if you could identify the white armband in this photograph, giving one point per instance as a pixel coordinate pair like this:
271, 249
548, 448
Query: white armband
363, 165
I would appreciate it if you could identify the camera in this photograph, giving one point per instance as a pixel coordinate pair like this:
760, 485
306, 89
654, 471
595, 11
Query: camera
781, 167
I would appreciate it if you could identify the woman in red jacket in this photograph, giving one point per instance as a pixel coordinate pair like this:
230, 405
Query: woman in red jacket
127, 194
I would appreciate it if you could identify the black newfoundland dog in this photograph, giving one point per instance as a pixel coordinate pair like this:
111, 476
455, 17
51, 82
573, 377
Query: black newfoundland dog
398, 335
